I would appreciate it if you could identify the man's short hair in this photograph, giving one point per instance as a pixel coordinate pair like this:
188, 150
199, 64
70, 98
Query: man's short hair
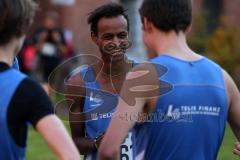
106, 11
167, 15
15, 18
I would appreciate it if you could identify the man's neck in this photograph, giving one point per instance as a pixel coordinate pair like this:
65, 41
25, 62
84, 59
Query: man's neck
115, 67
7, 54
173, 44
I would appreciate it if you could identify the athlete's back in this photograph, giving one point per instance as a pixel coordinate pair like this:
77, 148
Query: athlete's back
191, 117
190, 120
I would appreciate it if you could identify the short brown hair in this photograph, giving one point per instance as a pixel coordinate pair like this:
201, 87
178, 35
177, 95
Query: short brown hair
16, 17
167, 15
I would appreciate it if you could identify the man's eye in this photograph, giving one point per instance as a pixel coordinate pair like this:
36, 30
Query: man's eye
122, 36
108, 37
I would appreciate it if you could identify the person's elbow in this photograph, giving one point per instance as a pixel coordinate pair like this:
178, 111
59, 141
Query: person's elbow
107, 152
70, 155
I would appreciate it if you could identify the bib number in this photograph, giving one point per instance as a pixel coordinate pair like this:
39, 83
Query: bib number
126, 152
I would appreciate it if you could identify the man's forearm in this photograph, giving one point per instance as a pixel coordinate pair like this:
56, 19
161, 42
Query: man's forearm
108, 154
85, 146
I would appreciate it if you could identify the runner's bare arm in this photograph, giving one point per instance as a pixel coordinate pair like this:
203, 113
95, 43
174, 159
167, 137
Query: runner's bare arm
234, 108
127, 113
53, 131
75, 94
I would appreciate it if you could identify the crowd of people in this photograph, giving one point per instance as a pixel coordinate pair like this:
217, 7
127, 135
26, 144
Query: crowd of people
45, 50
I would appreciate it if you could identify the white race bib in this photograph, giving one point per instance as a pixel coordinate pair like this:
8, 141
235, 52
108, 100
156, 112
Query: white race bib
126, 151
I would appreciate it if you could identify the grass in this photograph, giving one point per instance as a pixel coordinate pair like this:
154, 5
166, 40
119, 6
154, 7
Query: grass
37, 147
229, 140
38, 150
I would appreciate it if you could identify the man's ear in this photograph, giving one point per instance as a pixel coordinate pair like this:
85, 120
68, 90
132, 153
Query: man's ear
147, 25
189, 28
94, 37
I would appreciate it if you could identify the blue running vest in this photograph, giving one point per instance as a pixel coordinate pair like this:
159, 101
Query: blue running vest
9, 82
190, 119
106, 102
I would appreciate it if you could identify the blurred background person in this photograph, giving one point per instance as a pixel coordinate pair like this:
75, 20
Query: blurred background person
27, 58
22, 100
50, 45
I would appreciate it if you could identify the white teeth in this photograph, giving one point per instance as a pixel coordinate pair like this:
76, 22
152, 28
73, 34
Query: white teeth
118, 53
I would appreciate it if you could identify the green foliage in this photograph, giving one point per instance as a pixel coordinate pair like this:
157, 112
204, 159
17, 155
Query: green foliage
198, 38
222, 45
224, 48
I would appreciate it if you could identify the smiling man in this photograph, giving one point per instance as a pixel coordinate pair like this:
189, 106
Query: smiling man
102, 81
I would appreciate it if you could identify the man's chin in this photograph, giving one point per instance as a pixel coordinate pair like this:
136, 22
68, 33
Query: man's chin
117, 56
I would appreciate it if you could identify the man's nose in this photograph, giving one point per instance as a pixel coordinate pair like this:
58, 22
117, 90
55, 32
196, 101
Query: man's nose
116, 41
